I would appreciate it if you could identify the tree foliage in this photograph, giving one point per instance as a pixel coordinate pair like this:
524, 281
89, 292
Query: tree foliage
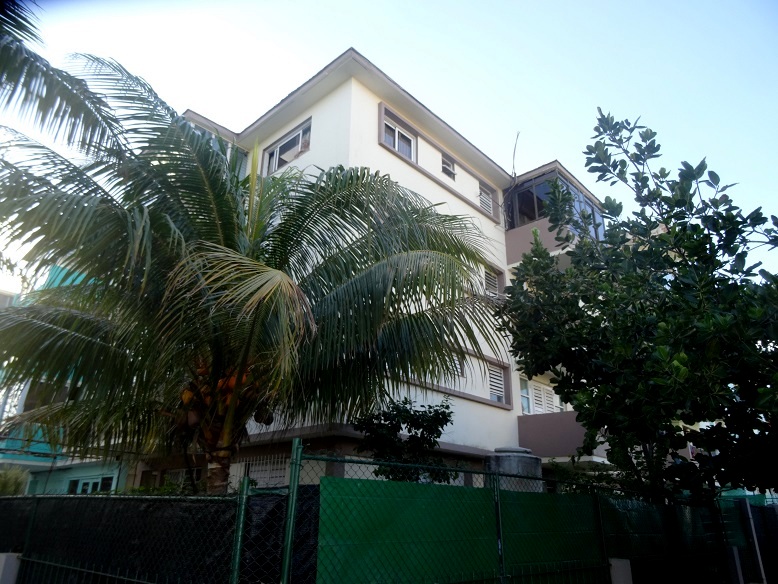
422, 427
662, 332
203, 296
13, 480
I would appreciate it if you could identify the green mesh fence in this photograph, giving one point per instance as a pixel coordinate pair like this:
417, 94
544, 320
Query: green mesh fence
382, 523
127, 539
739, 534
357, 521
468, 527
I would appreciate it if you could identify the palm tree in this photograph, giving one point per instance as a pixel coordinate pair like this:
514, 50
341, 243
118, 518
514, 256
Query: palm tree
200, 298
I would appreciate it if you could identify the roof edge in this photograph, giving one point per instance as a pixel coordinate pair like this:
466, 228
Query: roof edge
351, 54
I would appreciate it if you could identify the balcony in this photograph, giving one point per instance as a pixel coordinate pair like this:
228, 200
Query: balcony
556, 436
518, 240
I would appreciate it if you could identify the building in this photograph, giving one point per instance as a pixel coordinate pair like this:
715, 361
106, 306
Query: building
353, 114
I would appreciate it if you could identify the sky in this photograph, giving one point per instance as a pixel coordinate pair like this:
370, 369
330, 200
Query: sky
704, 75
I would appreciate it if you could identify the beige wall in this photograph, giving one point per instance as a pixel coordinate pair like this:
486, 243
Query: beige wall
475, 424
366, 150
330, 122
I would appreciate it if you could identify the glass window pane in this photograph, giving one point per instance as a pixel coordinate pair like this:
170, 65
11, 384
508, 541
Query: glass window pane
305, 145
389, 135
601, 226
404, 145
526, 202
525, 404
288, 151
271, 162
543, 190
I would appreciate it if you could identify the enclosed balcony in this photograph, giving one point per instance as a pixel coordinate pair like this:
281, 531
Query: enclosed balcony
525, 208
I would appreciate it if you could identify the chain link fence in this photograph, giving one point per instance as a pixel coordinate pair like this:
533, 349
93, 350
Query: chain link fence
350, 520
120, 539
387, 522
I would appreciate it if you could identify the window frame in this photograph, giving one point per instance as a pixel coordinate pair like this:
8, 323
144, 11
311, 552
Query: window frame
385, 113
494, 395
399, 130
537, 394
448, 166
270, 155
525, 392
498, 287
487, 193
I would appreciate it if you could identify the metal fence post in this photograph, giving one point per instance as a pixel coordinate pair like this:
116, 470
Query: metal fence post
601, 532
753, 540
498, 522
291, 512
240, 520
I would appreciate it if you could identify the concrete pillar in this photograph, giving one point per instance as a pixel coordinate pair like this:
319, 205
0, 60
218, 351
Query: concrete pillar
621, 571
9, 567
516, 461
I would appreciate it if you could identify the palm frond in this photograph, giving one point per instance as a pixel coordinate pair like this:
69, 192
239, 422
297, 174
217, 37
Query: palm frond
66, 216
55, 101
18, 21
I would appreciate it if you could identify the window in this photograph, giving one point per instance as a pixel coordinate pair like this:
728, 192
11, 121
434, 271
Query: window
537, 398
447, 167
268, 471
486, 198
90, 485
496, 384
288, 148
460, 366
399, 139
6, 299
525, 396
527, 203
491, 283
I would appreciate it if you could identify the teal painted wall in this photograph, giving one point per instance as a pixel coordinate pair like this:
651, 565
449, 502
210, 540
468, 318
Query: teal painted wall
56, 481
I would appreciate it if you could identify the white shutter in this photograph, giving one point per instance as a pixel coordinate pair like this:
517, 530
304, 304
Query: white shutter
490, 283
496, 384
548, 396
544, 400
538, 406
485, 199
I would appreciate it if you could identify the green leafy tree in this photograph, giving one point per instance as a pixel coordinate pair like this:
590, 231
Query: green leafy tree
201, 298
13, 481
661, 323
402, 433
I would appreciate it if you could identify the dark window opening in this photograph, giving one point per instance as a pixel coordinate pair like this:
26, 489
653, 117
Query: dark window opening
527, 203
448, 168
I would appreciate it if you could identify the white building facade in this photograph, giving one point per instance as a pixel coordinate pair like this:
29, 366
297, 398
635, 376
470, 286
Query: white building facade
354, 115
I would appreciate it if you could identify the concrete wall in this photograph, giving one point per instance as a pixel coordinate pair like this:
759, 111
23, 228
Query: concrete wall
330, 121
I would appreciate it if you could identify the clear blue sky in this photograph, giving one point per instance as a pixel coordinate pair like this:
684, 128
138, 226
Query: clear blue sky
702, 74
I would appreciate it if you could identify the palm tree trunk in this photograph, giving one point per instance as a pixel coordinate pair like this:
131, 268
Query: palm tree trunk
218, 471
